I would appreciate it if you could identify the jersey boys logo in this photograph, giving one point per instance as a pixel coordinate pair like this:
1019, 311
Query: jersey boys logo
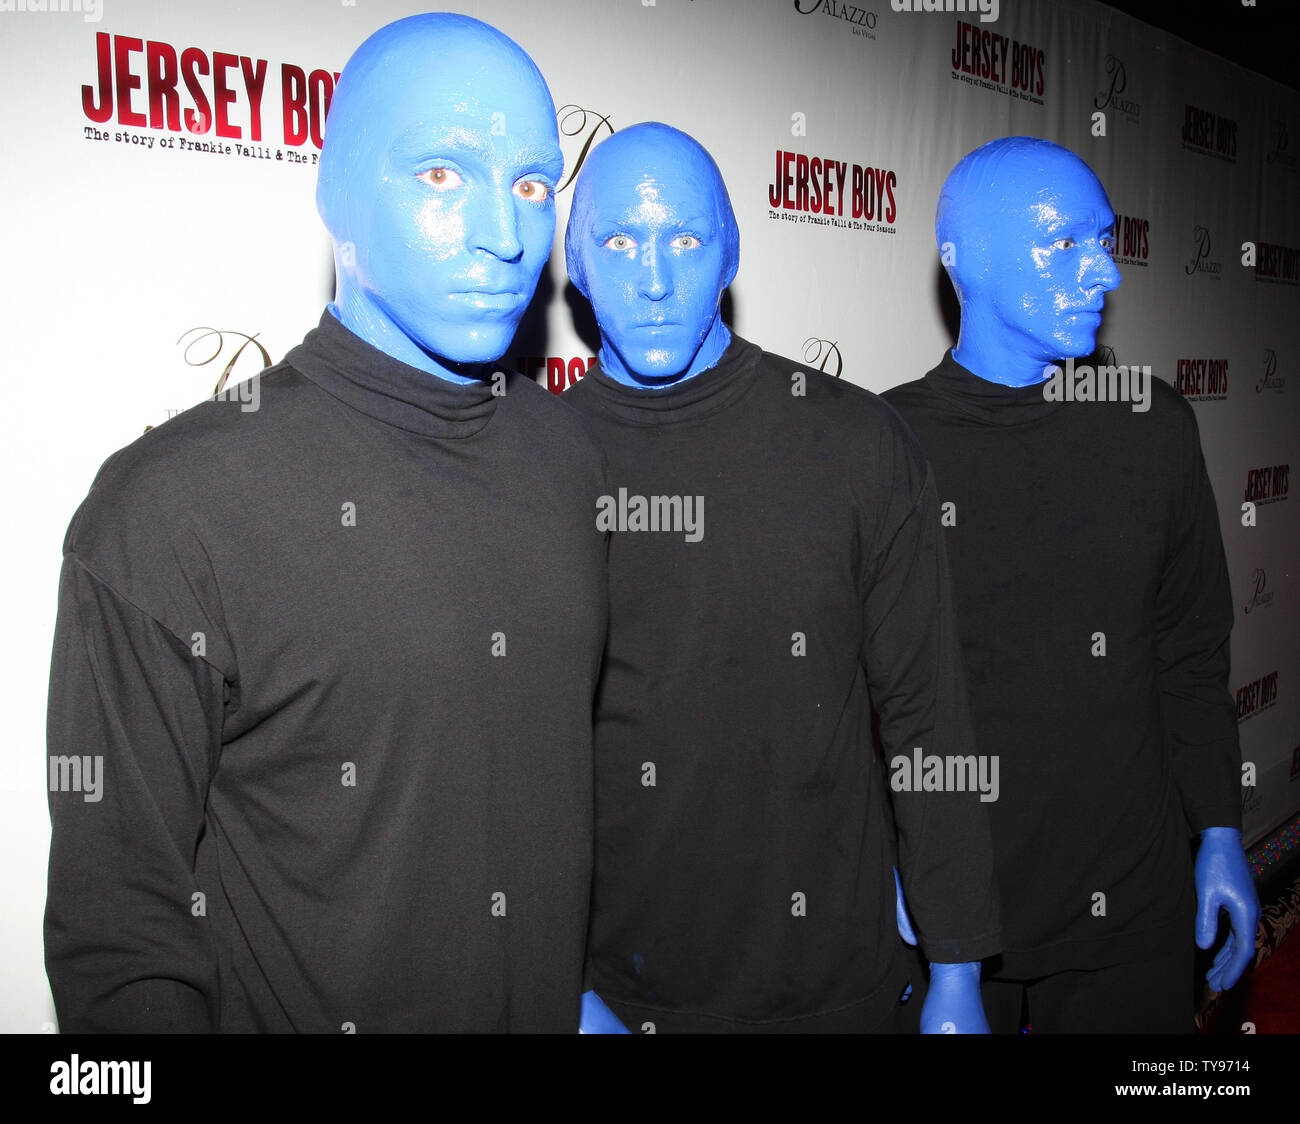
1270, 379
152, 85
1206, 132
1277, 263
1112, 94
1132, 240
1201, 380
859, 20
1200, 264
1256, 696
1261, 597
831, 192
998, 62
1269, 484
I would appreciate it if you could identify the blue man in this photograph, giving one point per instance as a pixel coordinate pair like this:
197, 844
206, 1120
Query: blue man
664, 246
342, 696
436, 185
775, 571
1092, 596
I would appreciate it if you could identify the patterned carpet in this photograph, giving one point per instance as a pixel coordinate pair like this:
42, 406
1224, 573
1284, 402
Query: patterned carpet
1267, 1000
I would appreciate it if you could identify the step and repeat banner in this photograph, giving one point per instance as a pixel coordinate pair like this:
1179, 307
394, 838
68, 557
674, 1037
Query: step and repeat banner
161, 235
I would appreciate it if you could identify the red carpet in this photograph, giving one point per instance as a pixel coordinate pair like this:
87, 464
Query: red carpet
1269, 996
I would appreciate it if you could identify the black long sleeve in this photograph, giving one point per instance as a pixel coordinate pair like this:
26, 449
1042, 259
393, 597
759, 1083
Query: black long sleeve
745, 842
128, 695
917, 685
1093, 606
1194, 622
338, 654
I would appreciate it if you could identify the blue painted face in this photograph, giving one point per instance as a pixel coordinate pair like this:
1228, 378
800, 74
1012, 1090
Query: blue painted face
1032, 235
440, 159
652, 243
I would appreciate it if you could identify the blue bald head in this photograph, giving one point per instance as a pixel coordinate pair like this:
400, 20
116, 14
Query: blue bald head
1026, 234
440, 160
652, 243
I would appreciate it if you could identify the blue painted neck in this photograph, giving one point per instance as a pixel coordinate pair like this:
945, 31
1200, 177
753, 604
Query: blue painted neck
710, 353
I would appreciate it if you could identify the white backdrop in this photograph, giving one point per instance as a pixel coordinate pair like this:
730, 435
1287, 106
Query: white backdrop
123, 246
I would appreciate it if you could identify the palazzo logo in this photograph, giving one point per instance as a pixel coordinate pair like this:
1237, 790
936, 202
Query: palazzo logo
1270, 379
204, 346
574, 121
1251, 801
1279, 264
1267, 484
859, 20
1132, 241
824, 355
1104, 357
828, 192
1202, 380
1277, 145
1112, 97
1260, 597
1256, 696
1200, 263
1206, 132
223, 95
997, 62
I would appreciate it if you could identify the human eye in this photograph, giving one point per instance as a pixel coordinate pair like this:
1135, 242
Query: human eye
1066, 243
685, 242
534, 190
440, 177
619, 242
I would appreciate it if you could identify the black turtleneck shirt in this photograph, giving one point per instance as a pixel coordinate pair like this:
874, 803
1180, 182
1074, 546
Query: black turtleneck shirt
1093, 601
744, 835
334, 659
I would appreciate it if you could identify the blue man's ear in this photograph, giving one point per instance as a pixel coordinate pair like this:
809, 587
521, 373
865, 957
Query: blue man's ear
733, 265
573, 262
733, 250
